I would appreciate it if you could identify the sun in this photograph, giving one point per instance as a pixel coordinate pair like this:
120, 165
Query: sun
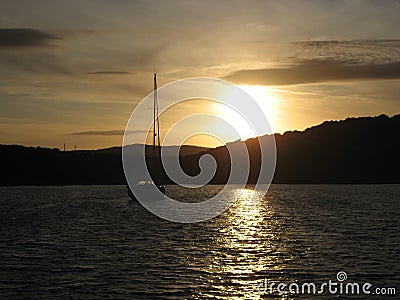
265, 99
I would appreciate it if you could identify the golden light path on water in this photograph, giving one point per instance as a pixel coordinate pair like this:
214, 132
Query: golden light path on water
248, 247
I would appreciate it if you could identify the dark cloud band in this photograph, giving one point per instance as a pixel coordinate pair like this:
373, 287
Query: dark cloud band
25, 37
316, 71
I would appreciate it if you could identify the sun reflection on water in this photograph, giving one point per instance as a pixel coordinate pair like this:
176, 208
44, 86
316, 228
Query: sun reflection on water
247, 247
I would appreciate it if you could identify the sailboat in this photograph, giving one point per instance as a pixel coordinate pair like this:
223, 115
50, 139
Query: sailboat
144, 187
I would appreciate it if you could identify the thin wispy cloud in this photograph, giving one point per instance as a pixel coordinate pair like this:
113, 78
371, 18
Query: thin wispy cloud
349, 51
109, 72
107, 132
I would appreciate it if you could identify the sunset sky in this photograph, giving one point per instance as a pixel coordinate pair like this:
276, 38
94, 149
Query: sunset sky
73, 71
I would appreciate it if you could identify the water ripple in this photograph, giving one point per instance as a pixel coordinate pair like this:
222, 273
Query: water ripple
92, 242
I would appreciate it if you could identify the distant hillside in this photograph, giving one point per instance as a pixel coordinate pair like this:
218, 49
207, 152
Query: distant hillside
169, 150
43, 166
356, 150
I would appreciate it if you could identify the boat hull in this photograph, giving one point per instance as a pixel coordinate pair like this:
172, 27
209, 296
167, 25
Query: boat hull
145, 190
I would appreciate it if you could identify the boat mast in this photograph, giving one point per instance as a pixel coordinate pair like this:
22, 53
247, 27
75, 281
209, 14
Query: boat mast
156, 122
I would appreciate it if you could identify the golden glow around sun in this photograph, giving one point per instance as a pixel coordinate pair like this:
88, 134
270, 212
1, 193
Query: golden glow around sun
234, 126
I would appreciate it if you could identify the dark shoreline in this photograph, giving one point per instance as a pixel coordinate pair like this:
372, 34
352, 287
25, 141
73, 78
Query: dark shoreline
354, 151
211, 184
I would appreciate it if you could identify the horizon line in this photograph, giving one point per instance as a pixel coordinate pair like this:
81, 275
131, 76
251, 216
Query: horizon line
200, 146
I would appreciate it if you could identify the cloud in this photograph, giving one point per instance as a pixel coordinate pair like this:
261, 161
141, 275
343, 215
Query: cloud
109, 73
107, 132
313, 71
25, 37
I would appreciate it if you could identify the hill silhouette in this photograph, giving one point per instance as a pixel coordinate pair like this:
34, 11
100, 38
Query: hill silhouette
355, 150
